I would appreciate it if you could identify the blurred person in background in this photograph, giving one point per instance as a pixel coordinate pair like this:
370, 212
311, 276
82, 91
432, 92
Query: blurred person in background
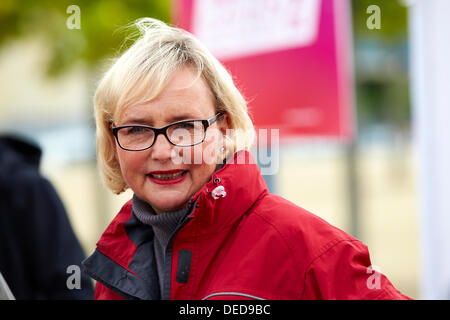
204, 229
37, 243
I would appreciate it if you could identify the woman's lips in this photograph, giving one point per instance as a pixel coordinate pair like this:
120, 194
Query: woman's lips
167, 177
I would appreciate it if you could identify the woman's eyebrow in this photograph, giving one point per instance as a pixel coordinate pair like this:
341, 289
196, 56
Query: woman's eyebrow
171, 119
180, 117
138, 121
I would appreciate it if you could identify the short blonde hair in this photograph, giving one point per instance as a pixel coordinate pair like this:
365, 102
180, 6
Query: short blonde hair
142, 72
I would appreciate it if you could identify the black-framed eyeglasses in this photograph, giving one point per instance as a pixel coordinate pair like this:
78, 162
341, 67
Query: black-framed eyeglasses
184, 133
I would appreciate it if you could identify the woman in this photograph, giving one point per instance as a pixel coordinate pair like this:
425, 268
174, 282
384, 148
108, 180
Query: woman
172, 126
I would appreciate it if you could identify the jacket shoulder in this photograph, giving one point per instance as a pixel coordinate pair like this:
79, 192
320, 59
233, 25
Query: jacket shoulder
306, 234
335, 265
292, 221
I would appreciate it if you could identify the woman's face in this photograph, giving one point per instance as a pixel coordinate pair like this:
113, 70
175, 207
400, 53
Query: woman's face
146, 172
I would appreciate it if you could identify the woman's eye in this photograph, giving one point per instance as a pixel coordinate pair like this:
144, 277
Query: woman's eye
186, 125
135, 130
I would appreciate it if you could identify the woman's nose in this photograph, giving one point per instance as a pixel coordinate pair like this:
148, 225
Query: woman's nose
162, 148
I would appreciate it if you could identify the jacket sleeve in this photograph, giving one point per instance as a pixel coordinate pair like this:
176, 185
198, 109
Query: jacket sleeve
344, 272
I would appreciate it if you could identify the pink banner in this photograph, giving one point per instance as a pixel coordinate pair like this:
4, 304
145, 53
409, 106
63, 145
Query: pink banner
291, 59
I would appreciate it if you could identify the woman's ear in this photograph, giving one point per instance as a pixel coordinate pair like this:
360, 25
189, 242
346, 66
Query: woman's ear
112, 141
225, 128
224, 123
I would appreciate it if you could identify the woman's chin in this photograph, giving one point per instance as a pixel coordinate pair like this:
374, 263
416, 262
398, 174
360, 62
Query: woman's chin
166, 204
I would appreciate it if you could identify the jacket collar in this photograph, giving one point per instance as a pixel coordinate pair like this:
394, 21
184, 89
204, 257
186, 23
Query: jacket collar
229, 194
231, 191
124, 256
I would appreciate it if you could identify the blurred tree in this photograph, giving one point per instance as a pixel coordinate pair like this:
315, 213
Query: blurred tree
381, 66
99, 36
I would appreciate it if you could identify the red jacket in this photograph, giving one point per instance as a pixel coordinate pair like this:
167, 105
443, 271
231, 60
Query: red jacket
245, 244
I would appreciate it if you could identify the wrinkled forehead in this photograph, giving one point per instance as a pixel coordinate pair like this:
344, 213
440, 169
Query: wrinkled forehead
184, 88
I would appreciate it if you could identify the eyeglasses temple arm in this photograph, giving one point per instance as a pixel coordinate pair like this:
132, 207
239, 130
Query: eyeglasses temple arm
213, 119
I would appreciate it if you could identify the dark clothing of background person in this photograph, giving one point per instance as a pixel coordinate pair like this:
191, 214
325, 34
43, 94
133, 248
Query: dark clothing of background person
37, 242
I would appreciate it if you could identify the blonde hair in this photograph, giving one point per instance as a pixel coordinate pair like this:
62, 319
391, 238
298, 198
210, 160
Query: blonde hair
142, 72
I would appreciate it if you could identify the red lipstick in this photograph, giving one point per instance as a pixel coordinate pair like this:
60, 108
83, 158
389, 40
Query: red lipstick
167, 177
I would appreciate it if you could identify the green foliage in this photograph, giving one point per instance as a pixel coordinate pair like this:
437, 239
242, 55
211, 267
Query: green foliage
393, 20
383, 102
98, 37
